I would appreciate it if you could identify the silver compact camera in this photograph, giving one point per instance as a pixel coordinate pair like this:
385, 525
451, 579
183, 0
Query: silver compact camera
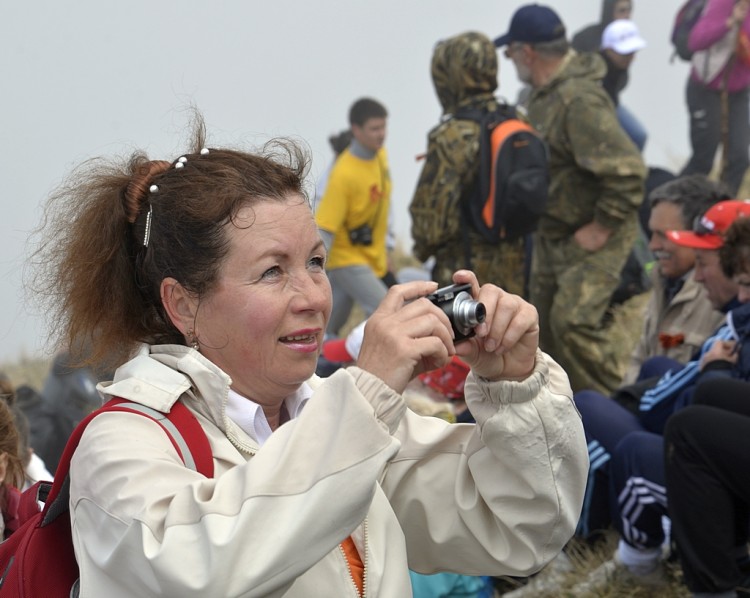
462, 310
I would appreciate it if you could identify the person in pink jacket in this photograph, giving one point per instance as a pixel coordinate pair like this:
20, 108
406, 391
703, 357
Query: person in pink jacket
720, 41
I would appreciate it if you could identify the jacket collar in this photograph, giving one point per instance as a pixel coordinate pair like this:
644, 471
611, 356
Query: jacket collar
158, 375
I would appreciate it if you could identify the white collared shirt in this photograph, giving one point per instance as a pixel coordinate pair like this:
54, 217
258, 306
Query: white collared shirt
249, 415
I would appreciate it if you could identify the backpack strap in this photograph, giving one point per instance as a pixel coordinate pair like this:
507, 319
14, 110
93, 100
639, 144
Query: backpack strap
182, 429
476, 115
180, 425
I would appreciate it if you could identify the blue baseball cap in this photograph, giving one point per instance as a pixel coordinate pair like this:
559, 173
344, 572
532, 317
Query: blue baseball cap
533, 24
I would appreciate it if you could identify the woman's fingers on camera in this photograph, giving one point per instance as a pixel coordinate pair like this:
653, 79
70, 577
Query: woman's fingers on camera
398, 346
467, 276
402, 294
407, 308
508, 319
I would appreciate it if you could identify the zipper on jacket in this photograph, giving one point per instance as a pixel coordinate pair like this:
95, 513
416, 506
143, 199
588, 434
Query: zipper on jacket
364, 559
364, 564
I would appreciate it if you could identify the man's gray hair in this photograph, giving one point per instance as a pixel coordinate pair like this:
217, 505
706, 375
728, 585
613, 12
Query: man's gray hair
693, 193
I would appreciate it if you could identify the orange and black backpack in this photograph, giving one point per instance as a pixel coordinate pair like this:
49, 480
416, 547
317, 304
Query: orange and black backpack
512, 187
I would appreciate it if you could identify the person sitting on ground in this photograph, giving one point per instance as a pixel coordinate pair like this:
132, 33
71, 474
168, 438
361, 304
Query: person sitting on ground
633, 444
707, 456
320, 485
11, 462
34, 468
679, 315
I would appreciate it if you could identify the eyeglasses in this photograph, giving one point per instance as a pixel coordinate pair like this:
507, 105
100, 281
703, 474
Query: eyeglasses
512, 48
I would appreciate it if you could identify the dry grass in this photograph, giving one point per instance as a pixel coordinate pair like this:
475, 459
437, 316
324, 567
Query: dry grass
585, 559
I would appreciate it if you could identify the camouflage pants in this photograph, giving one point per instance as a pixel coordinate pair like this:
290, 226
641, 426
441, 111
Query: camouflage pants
503, 265
571, 288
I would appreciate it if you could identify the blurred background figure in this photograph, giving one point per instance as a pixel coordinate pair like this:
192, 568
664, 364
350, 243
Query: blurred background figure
353, 216
34, 467
68, 395
464, 73
338, 142
589, 38
13, 453
718, 91
679, 315
620, 43
590, 224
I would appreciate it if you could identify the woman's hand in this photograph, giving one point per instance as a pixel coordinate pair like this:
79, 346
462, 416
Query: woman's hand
406, 336
506, 342
592, 236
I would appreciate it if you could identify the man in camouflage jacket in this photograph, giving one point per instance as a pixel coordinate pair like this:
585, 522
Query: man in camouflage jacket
464, 72
596, 185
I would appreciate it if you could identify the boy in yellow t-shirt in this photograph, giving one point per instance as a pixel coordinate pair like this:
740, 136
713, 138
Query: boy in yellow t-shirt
353, 216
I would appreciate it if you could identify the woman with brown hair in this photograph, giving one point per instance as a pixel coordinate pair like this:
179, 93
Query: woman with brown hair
206, 275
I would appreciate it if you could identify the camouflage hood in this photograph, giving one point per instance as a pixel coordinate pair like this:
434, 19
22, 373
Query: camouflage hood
464, 67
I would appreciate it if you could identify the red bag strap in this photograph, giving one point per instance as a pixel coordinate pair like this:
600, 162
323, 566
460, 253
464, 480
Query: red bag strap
180, 425
182, 428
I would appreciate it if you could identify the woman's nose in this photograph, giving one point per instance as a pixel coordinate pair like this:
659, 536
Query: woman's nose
314, 292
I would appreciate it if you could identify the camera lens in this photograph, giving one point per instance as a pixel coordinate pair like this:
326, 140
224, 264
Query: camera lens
467, 313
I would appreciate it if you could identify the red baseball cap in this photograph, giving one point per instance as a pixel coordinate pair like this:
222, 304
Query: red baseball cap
708, 233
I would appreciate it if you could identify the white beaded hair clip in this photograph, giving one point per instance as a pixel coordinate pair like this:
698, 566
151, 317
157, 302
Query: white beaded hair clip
147, 232
153, 190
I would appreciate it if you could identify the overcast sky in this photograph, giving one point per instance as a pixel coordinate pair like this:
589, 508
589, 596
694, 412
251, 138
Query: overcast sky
88, 78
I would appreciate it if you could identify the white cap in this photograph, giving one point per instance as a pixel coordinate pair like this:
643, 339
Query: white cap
622, 36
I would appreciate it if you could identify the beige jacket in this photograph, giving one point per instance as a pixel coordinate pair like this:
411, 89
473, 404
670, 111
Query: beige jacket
501, 497
690, 314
